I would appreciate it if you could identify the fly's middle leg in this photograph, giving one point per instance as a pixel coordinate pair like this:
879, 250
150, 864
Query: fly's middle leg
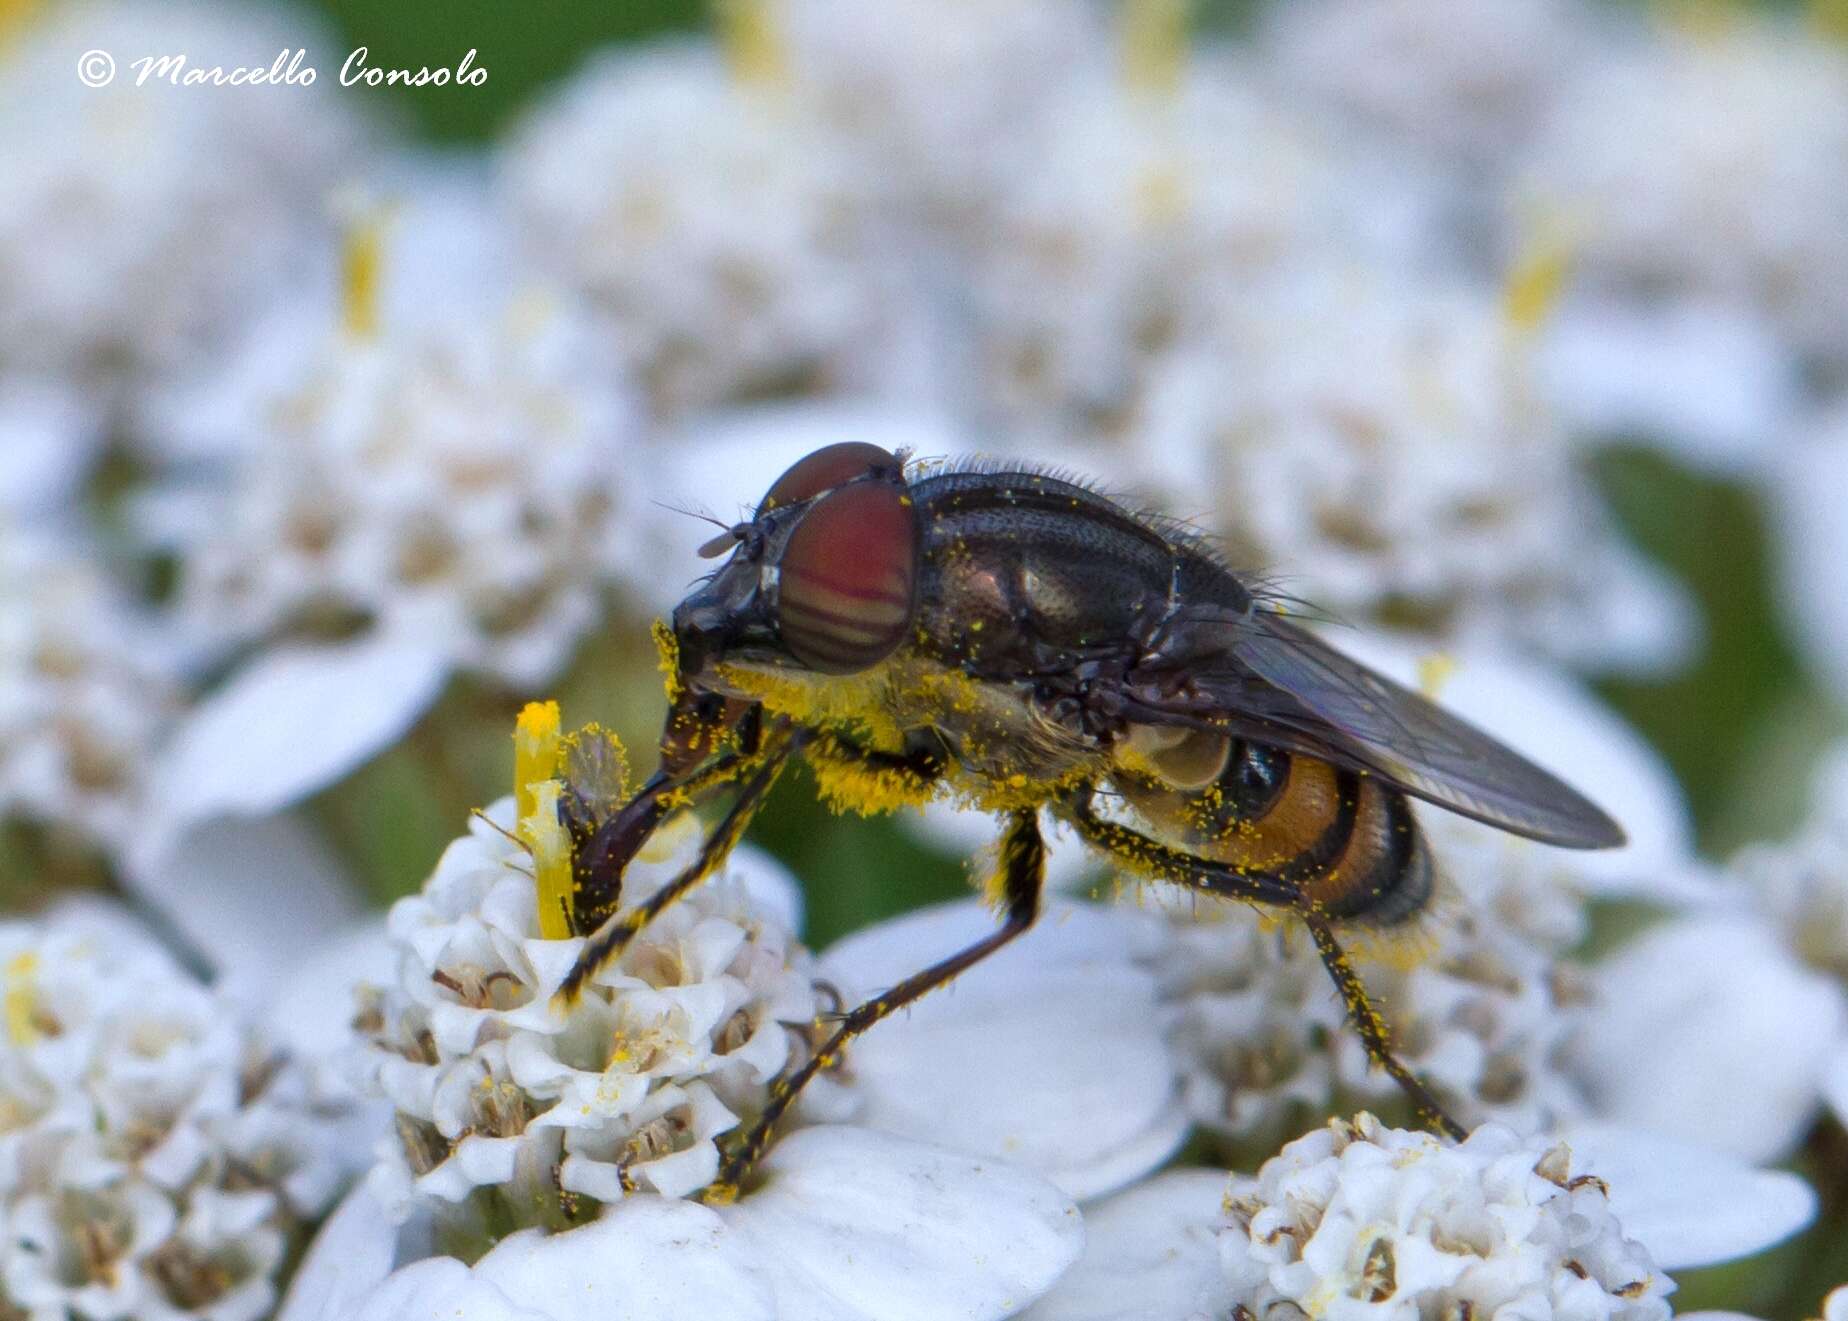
1023, 871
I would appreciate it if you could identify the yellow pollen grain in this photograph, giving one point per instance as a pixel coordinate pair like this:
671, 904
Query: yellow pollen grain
21, 998
667, 647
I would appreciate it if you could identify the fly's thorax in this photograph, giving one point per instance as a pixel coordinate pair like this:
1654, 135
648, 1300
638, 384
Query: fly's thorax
1021, 571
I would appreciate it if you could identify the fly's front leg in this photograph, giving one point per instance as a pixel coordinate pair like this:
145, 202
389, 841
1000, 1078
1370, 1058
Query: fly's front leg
608, 942
1023, 872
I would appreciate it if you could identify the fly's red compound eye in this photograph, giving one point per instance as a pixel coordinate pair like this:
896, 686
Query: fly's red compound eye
847, 580
825, 469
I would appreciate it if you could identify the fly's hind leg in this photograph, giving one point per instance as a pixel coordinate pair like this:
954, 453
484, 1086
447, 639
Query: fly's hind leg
1150, 856
1373, 1033
1022, 872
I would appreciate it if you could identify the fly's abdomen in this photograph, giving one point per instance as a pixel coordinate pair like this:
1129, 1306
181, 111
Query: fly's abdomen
1346, 840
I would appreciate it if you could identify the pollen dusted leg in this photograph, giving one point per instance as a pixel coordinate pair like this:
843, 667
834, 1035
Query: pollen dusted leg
1372, 1029
1147, 855
606, 945
1023, 870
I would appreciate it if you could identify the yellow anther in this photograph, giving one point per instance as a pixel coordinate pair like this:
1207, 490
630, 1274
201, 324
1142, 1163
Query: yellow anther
754, 50
21, 999
362, 273
1155, 44
1434, 671
536, 748
1537, 280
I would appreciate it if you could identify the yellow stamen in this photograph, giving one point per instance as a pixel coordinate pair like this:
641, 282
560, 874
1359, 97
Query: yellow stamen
362, 273
536, 748
754, 50
1434, 671
1155, 45
1537, 280
21, 999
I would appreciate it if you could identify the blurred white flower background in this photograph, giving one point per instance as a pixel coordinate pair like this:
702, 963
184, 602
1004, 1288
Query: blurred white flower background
338, 424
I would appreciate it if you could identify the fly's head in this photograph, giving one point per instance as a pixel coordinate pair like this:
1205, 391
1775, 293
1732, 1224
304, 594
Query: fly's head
822, 581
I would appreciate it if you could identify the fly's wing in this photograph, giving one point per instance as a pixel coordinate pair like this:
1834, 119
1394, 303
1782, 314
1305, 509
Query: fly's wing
1313, 699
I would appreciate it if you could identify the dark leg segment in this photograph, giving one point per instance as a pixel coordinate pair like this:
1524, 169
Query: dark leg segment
1373, 1034
607, 943
1150, 856
1023, 867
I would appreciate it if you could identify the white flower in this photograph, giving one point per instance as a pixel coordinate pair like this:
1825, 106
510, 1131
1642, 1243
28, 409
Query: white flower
139, 222
932, 100
446, 482
563, 1142
1458, 83
1710, 164
1375, 440
86, 691
1480, 994
1730, 1027
697, 213
1143, 215
1356, 1219
157, 1154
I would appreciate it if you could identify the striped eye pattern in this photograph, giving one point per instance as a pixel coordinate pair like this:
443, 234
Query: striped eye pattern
825, 469
847, 580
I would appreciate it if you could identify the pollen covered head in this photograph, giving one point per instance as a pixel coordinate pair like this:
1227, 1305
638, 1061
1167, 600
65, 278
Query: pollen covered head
848, 574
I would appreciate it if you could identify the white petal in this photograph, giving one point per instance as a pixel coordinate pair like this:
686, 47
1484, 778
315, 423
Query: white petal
853, 1225
1713, 383
1811, 524
443, 1289
250, 895
48, 438
312, 1012
349, 1258
290, 723
1049, 1054
1547, 717
1690, 1206
645, 1259
1708, 1031
773, 888
1151, 1251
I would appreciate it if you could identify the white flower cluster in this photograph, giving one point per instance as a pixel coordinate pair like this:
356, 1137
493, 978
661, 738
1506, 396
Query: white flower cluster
84, 691
157, 1157
1450, 80
547, 1113
138, 221
720, 239
1359, 1220
1481, 1002
454, 483
1740, 197
1376, 439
